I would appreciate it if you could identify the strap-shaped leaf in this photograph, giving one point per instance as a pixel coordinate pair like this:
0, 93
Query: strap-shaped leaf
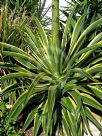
17, 75
32, 36
44, 42
85, 120
97, 91
75, 95
38, 52
37, 123
26, 63
6, 65
49, 127
66, 128
84, 74
72, 62
42, 34
70, 121
32, 43
28, 120
9, 89
65, 34
37, 46
55, 116
91, 27
45, 116
83, 88
19, 55
96, 60
29, 65
17, 107
80, 130
32, 86
51, 99
88, 51
93, 42
91, 117
51, 104
78, 109
95, 68
76, 32
70, 85
31, 117
12, 48
68, 104
89, 100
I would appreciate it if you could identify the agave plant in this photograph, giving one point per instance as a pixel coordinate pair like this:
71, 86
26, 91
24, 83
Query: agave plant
61, 78
65, 89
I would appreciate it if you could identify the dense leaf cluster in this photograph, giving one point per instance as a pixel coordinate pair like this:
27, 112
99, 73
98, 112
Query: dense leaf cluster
6, 128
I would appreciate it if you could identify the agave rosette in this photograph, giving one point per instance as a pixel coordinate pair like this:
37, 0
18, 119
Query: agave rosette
65, 87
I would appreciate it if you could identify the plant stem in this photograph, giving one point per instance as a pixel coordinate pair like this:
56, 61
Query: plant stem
55, 23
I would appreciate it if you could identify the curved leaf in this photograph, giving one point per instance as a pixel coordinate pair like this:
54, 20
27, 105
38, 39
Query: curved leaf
37, 123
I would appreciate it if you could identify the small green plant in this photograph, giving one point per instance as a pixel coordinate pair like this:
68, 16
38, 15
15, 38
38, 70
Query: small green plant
6, 128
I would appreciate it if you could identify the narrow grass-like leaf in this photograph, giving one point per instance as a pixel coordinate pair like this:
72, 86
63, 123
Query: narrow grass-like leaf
95, 61
95, 68
93, 42
36, 47
32, 86
12, 48
37, 123
76, 33
19, 55
42, 34
51, 99
89, 100
73, 62
12, 66
66, 128
65, 34
29, 120
17, 107
85, 120
44, 116
97, 91
80, 130
17, 75
70, 123
38, 52
67, 103
93, 119
84, 74
93, 26
87, 49
9, 89
25, 63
